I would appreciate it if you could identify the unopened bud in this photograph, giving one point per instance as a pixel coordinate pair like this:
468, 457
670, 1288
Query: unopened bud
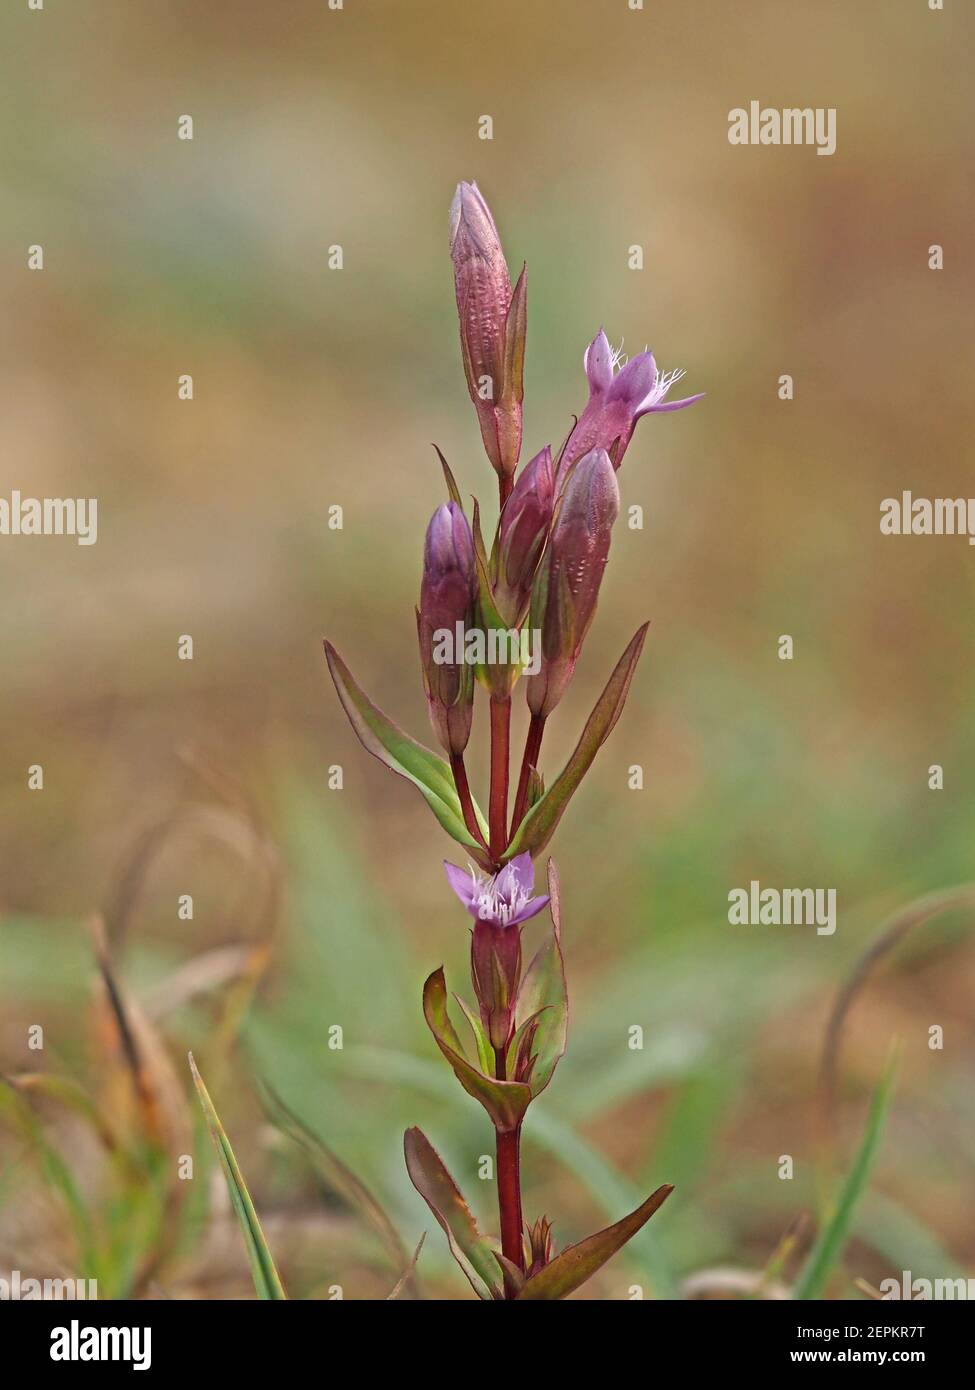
567, 584
492, 326
522, 535
495, 974
446, 600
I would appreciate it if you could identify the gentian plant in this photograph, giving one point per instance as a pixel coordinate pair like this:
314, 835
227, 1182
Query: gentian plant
519, 611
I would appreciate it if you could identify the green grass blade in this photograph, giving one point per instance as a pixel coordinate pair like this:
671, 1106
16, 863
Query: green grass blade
265, 1276
828, 1246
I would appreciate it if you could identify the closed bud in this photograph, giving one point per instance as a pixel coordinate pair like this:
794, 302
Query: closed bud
540, 1245
492, 326
522, 534
495, 974
446, 601
567, 584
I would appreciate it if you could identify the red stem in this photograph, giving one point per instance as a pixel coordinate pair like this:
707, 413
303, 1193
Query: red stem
509, 1199
498, 809
505, 484
509, 1186
464, 793
533, 745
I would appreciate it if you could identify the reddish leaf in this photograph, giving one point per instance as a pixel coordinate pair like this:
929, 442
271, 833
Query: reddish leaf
471, 1250
569, 1270
505, 1101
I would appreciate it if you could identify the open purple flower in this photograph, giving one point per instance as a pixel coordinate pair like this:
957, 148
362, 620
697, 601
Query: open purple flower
505, 900
618, 399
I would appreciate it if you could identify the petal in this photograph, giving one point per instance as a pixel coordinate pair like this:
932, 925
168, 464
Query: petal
462, 882
598, 362
531, 909
635, 382
523, 871
670, 405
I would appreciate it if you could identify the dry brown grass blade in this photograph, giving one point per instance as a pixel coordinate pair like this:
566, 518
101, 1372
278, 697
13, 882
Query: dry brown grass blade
407, 1276
208, 971
159, 1095
160, 1124
897, 927
781, 1257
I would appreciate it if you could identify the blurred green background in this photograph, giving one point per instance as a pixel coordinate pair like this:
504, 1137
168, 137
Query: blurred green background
314, 388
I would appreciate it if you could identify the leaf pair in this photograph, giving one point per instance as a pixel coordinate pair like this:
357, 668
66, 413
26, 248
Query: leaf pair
426, 770
478, 1256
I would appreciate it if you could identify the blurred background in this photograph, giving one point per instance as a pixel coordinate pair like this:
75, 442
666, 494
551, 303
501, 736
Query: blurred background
314, 388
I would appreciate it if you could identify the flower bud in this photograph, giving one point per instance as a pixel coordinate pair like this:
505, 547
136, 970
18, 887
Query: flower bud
496, 974
446, 600
567, 584
521, 536
492, 326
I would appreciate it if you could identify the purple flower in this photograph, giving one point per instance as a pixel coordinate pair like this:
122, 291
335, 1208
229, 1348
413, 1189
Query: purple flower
617, 400
505, 900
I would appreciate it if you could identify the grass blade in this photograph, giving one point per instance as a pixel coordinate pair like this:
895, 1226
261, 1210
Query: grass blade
829, 1243
263, 1272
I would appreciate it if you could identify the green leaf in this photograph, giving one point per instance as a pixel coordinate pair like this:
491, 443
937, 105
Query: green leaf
505, 1101
263, 1272
471, 1250
828, 1246
543, 994
539, 824
485, 1052
577, 1263
404, 755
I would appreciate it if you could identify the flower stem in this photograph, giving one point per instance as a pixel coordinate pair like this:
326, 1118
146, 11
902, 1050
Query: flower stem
498, 809
505, 484
459, 770
509, 1199
533, 744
